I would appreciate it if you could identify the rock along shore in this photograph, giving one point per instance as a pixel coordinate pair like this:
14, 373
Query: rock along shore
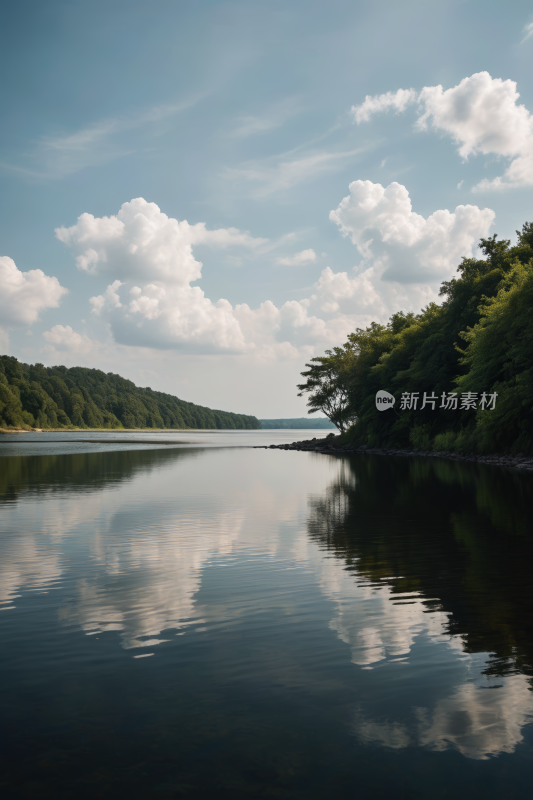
331, 444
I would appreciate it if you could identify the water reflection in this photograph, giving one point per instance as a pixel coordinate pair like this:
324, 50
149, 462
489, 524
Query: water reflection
476, 722
438, 535
45, 475
434, 552
143, 526
33, 536
146, 582
422, 570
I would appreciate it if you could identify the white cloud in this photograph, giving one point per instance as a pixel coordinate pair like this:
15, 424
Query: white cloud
110, 299
151, 302
337, 292
382, 102
23, 295
182, 318
303, 257
402, 245
178, 317
62, 338
481, 114
142, 242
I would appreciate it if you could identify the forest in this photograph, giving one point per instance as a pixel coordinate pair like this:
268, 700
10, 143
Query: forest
34, 396
460, 372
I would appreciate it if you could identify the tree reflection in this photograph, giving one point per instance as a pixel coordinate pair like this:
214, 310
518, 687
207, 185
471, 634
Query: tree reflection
79, 472
456, 537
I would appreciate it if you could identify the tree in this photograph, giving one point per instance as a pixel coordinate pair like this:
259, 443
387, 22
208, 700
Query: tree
328, 386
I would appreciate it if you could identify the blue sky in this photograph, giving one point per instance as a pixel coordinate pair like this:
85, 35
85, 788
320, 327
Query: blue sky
220, 162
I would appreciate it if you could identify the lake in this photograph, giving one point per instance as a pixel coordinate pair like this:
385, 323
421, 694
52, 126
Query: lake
184, 616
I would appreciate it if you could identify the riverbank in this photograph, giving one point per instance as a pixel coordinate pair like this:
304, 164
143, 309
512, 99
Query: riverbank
333, 444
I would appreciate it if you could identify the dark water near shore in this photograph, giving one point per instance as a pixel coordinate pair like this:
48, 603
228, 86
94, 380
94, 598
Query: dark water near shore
190, 622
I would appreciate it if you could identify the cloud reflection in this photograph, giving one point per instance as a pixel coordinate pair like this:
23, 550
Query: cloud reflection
147, 582
479, 721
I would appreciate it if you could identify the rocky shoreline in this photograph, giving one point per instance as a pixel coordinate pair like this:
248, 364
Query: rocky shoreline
332, 444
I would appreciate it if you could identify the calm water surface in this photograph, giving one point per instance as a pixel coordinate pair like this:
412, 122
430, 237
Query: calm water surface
193, 620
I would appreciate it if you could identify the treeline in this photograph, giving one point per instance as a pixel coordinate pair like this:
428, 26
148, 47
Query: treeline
34, 396
478, 342
299, 423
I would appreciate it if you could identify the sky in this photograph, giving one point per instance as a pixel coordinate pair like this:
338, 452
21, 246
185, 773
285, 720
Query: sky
203, 196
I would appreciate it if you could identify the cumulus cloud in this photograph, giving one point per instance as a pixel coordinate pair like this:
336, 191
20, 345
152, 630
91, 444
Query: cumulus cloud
62, 338
481, 114
142, 242
303, 257
182, 318
151, 302
404, 246
166, 317
23, 295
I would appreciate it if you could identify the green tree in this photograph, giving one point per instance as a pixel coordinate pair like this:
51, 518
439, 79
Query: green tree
328, 386
499, 358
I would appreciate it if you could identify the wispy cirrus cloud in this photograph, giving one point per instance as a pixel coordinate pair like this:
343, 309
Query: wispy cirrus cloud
282, 172
96, 144
528, 30
273, 117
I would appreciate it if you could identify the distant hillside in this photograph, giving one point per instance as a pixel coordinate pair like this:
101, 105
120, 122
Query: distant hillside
300, 423
34, 396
